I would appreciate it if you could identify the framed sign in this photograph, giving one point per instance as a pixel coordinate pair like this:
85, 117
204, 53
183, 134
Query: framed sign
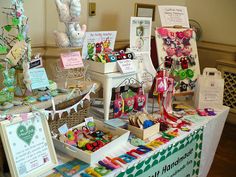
28, 145
140, 34
145, 10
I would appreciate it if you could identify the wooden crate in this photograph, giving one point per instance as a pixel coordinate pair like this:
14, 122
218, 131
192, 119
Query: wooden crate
144, 133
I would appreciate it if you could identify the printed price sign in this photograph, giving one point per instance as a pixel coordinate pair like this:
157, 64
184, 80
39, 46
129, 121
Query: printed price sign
71, 60
174, 15
39, 78
126, 66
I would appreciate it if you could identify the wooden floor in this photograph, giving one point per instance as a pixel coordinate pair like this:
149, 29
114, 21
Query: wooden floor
224, 164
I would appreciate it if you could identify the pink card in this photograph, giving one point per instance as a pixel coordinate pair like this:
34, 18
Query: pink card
71, 60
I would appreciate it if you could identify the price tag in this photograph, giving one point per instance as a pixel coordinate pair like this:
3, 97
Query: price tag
71, 60
39, 78
63, 129
126, 66
174, 15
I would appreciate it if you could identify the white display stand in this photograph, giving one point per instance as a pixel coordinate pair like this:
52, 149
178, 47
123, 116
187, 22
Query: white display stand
109, 81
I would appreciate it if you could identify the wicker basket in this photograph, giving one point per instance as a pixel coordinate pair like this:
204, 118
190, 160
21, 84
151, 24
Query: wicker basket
71, 120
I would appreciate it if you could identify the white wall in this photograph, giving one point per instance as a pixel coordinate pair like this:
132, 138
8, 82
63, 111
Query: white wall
115, 15
217, 18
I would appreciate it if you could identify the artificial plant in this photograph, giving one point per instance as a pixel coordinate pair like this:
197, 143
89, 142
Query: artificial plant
15, 48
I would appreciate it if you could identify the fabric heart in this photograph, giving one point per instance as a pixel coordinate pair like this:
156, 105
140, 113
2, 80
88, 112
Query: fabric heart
8, 28
3, 50
15, 21
20, 37
26, 134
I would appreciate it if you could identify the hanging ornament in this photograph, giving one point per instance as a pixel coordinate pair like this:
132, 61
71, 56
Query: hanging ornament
118, 106
128, 101
139, 100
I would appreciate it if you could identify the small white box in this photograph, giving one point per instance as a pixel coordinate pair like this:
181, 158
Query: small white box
100, 154
105, 68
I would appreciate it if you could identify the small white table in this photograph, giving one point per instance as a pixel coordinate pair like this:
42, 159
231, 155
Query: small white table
109, 81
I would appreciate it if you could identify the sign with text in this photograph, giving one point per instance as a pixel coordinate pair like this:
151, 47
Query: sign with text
125, 66
39, 78
140, 34
71, 60
36, 63
98, 42
28, 145
181, 159
174, 15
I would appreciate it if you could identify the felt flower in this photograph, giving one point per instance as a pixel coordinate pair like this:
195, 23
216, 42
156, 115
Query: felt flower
186, 51
171, 34
163, 32
167, 41
188, 33
180, 35
170, 51
186, 41
178, 51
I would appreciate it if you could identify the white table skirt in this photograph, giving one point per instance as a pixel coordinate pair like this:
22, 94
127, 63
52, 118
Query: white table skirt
211, 137
213, 127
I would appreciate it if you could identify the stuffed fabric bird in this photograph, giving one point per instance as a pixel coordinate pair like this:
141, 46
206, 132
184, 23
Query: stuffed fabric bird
69, 13
62, 39
63, 10
75, 10
76, 34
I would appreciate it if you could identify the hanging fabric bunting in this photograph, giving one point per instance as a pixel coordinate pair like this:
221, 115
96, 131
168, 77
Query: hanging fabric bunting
68, 110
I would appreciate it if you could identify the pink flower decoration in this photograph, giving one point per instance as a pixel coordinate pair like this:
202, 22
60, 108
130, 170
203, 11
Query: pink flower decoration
171, 34
180, 35
170, 51
188, 33
18, 14
178, 52
163, 32
187, 51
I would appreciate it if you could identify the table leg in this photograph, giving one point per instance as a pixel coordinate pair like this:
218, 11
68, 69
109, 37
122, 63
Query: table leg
107, 90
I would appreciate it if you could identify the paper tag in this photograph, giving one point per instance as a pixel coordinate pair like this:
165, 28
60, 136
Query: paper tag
126, 66
71, 60
63, 129
38, 77
36, 63
17, 52
174, 15
90, 124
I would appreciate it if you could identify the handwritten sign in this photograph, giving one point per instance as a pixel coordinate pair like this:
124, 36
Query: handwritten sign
36, 63
17, 52
71, 60
140, 34
126, 66
174, 15
98, 42
28, 145
39, 78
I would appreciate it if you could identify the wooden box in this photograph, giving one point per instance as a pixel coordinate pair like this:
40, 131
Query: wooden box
144, 133
101, 153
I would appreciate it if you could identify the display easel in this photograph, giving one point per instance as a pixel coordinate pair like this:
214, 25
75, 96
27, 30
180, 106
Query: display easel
193, 51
